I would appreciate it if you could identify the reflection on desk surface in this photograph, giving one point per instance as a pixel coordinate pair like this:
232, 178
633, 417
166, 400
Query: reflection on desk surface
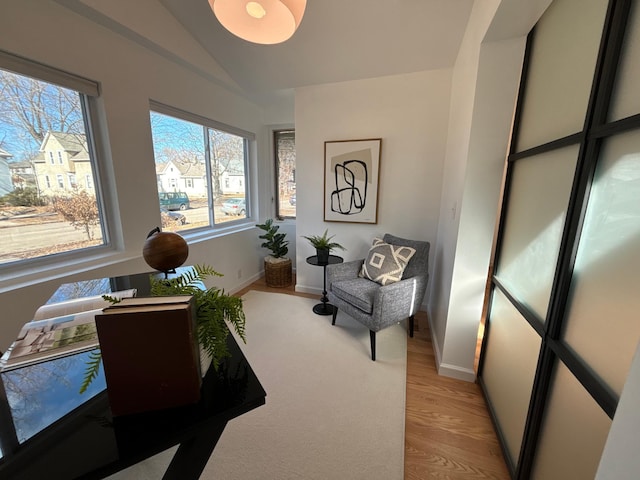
48, 429
88, 442
40, 394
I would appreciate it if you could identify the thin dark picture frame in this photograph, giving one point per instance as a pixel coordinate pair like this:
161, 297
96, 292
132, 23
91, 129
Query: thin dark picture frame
351, 180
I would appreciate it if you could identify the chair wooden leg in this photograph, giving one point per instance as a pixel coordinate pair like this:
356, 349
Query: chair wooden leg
411, 326
335, 312
372, 336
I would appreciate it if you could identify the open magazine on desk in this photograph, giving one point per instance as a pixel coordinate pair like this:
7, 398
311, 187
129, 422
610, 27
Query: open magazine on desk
58, 329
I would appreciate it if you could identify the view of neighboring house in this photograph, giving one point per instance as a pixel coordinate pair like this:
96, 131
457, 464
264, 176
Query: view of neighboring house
232, 183
189, 177
5, 173
63, 164
22, 175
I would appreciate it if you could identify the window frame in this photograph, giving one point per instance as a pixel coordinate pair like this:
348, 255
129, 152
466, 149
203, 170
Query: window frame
249, 140
276, 170
89, 92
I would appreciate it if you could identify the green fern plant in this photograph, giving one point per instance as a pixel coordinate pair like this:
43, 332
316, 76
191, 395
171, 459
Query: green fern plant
214, 309
93, 367
323, 242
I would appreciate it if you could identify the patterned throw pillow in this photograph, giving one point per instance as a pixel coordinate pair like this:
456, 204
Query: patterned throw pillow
385, 263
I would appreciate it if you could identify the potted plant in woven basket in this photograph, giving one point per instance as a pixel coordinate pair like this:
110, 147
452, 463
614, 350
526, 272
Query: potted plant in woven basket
277, 267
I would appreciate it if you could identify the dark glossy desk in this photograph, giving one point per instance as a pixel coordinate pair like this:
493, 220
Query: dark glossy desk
49, 430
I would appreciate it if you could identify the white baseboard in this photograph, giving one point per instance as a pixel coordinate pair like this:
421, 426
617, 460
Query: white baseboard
454, 371
445, 369
248, 281
305, 289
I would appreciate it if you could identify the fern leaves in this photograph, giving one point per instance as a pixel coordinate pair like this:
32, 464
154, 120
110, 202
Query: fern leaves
92, 369
214, 310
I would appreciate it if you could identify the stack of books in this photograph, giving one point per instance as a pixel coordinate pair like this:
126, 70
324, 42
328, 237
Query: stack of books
148, 346
150, 353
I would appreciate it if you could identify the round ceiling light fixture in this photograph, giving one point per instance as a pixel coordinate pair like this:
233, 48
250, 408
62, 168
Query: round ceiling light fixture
260, 21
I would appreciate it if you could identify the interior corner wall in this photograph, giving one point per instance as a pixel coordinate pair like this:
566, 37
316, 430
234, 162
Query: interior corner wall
463, 94
410, 113
496, 92
485, 83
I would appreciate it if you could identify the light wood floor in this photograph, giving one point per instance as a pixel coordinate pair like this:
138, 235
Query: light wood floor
448, 432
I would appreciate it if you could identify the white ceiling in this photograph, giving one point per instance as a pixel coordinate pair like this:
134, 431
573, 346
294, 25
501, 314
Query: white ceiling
337, 40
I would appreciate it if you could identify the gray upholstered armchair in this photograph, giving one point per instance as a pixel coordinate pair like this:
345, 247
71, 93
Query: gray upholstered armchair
382, 301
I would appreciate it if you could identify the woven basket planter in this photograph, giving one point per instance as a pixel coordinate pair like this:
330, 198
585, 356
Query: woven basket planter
278, 274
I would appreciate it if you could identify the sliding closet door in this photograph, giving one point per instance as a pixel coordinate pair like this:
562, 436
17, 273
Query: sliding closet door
562, 322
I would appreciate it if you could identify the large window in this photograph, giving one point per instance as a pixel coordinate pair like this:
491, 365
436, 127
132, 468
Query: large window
201, 170
45, 117
285, 155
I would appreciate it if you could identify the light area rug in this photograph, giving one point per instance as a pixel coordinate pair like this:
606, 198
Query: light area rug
330, 413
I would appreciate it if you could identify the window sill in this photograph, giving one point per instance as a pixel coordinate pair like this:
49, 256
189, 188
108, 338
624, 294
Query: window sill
208, 233
28, 273
36, 271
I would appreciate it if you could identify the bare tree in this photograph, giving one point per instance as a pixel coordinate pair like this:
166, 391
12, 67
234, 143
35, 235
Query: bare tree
227, 155
286, 155
182, 142
176, 140
30, 108
80, 209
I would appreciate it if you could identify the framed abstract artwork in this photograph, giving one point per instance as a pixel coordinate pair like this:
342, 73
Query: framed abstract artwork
351, 175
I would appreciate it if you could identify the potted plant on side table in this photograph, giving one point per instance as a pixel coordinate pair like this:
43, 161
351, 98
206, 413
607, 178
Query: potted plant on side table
323, 245
277, 267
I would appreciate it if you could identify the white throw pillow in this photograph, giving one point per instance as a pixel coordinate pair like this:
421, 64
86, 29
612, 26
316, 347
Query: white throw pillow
385, 263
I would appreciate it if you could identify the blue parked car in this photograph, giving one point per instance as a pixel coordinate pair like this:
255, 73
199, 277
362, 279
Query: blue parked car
174, 200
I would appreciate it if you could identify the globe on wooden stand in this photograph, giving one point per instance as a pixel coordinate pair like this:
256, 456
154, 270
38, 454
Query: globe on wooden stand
165, 251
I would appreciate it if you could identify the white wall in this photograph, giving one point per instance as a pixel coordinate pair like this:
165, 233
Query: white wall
130, 75
462, 108
620, 459
485, 84
409, 112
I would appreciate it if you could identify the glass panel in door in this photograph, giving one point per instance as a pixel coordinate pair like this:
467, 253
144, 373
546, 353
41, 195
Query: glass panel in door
602, 324
536, 211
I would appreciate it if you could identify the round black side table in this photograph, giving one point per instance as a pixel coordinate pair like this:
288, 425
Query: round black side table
324, 308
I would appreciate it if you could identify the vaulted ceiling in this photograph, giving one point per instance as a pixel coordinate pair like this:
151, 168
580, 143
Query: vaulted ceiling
338, 40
